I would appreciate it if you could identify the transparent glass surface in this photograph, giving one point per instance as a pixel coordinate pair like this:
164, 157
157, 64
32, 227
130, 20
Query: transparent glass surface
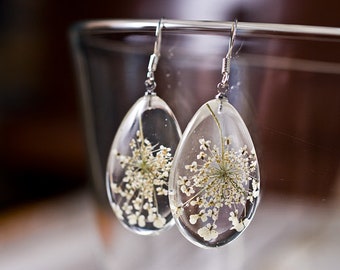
286, 88
139, 165
214, 181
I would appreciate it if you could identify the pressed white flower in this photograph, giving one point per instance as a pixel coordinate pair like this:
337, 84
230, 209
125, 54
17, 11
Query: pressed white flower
192, 167
126, 208
117, 210
204, 144
132, 144
220, 177
201, 155
187, 190
227, 141
183, 180
151, 217
141, 221
161, 191
197, 201
255, 193
207, 232
202, 216
146, 174
177, 211
237, 224
159, 222
132, 219
137, 203
194, 218
114, 187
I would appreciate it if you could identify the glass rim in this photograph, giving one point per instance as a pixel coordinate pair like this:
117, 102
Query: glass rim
244, 29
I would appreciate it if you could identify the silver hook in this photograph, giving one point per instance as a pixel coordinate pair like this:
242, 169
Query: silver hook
150, 83
223, 86
232, 39
158, 34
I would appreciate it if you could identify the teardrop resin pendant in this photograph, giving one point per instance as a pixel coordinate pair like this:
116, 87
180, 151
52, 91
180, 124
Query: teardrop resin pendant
139, 165
214, 181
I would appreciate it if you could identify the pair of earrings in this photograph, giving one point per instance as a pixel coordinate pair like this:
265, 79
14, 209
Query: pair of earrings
206, 181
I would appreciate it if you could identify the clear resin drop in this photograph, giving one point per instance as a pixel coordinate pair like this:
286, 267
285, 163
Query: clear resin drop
139, 165
214, 181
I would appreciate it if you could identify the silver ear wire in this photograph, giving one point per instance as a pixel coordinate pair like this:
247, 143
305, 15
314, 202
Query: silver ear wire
223, 86
150, 83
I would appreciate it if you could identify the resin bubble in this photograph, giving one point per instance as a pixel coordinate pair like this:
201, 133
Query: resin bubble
214, 181
139, 165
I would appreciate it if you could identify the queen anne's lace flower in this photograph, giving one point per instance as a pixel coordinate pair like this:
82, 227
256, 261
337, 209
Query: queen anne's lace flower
220, 177
146, 174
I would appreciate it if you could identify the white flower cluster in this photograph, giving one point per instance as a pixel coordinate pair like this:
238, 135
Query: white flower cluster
219, 178
146, 178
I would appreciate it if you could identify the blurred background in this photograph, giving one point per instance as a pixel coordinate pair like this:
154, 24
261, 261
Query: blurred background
43, 156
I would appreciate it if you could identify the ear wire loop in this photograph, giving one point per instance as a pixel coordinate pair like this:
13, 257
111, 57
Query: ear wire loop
150, 83
223, 86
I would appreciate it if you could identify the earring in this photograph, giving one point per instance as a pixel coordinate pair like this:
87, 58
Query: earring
140, 159
215, 181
